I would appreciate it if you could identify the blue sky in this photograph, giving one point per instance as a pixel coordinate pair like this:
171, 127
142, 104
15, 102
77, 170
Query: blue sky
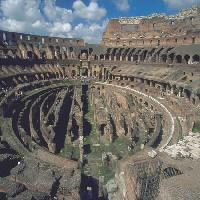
85, 19
136, 7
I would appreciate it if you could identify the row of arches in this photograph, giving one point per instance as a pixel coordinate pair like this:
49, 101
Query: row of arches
159, 55
101, 72
163, 87
30, 51
150, 42
187, 59
139, 55
13, 38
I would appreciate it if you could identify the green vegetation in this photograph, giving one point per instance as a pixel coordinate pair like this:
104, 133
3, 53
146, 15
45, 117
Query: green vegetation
196, 127
118, 148
95, 167
70, 151
107, 173
93, 138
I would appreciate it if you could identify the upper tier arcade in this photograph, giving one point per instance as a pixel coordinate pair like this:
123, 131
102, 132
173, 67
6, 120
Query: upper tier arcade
25, 46
13, 38
154, 30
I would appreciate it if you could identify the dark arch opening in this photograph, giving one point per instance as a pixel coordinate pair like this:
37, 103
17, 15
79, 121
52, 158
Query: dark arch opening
187, 58
106, 57
30, 54
43, 55
170, 172
178, 59
164, 58
195, 58
171, 58
84, 54
101, 57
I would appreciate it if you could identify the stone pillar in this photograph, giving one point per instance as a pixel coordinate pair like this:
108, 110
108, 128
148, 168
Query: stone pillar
89, 72
138, 59
168, 89
160, 59
172, 90
190, 61
197, 101
168, 60
81, 148
146, 59
179, 93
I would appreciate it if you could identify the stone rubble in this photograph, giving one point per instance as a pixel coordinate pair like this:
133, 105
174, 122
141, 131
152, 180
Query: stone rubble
181, 15
189, 147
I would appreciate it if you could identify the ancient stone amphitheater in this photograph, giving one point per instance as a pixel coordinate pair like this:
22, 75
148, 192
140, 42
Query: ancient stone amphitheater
117, 121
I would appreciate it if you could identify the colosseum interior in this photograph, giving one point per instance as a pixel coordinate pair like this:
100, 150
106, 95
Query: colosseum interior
115, 121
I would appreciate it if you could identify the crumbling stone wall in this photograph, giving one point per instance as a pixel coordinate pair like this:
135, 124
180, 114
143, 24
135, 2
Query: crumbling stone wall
153, 30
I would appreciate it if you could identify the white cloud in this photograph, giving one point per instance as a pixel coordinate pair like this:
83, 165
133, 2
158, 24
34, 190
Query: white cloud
22, 16
60, 28
122, 5
44, 17
178, 4
21, 10
12, 24
91, 12
53, 12
91, 32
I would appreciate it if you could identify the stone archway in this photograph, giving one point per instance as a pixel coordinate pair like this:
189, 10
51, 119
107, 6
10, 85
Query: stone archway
179, 59
186, 58
164, 58
196, 58
30, 54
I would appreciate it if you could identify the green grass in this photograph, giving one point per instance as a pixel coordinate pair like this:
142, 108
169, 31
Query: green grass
118, 148
196, 127
107, 173
93, 138
70, 151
